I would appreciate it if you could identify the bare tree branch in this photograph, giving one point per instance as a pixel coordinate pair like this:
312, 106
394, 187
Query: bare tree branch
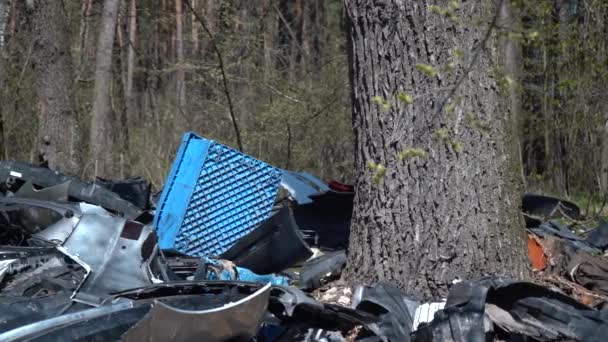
224, 77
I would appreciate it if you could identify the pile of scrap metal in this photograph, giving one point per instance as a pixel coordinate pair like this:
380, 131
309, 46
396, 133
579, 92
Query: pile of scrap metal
226, 252
109, 260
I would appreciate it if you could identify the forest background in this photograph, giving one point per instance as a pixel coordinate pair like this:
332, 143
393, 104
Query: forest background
124, 79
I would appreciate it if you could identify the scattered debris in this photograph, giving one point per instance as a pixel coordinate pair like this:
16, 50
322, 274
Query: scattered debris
14, 175
222, 255
274, 246
540, 208
319, 271
598, 237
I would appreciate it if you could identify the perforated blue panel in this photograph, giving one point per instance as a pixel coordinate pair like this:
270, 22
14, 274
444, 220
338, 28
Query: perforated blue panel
214, 195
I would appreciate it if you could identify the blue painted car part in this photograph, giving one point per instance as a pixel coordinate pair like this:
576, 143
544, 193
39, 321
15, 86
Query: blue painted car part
214, 195
219, 269
301, 185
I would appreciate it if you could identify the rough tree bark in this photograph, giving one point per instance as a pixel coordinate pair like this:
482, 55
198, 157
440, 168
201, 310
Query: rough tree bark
59, 137
423, 221
101, 135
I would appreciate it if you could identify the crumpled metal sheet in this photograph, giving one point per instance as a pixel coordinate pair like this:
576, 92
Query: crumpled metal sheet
540, 208
58, 193
19, 311
519, 308
54, 275
549, 314
14, 260
83, 191
395, 311
134, 189
553, 228
115, 252
461, 320
319, 271
233, 321
294, 307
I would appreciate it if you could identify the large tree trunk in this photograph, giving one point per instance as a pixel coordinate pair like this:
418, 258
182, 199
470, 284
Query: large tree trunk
59, 138
102, 137
426, 219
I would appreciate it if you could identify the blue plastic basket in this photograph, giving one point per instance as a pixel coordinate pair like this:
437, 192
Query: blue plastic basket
213, 196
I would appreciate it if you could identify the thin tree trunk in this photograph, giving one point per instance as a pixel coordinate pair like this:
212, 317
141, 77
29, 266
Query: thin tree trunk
164, 31
179, 47
296, 64
130, 97
87, 6
101, 135
59, 137
211, 12
14, 15
5, 9
284, 36
89, 24
603, 55
268, 28
424, 220
195, 42
119, 89
5, 6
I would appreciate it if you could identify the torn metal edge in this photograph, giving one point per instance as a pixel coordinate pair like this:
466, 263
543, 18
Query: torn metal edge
84, 265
